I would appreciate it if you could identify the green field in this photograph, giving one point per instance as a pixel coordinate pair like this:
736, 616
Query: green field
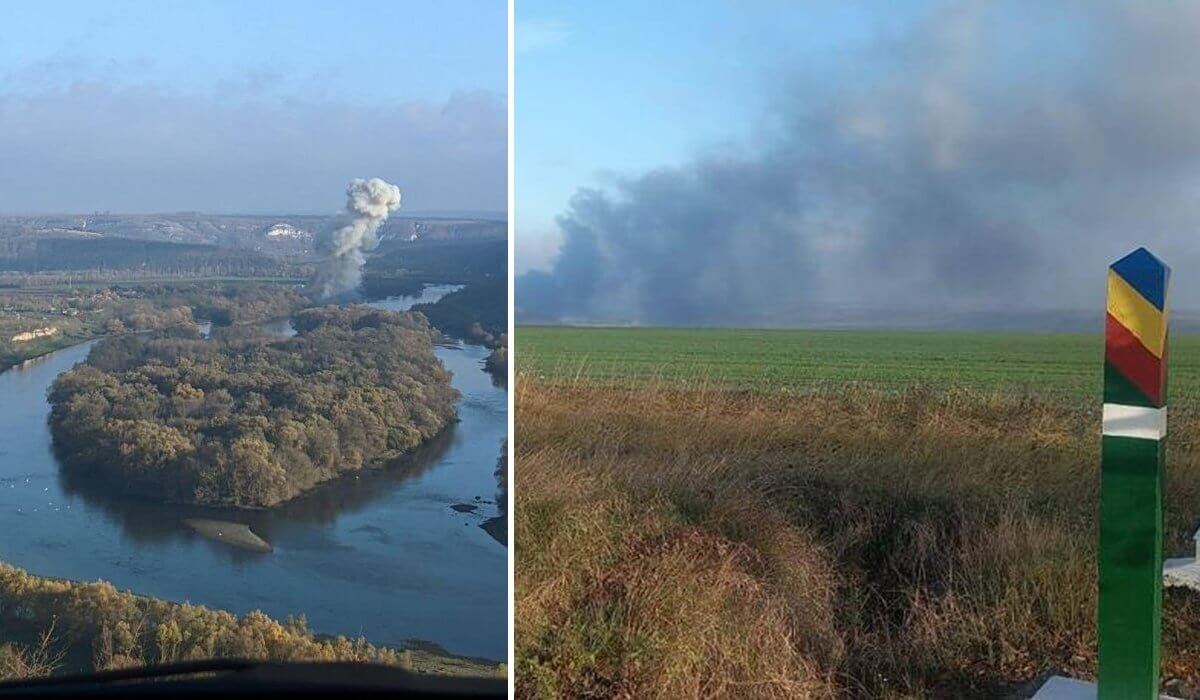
1061, 365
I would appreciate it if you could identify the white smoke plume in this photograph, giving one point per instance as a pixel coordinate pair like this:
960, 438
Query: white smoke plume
353, 234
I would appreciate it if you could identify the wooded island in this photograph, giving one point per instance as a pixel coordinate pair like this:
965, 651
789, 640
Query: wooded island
248, 419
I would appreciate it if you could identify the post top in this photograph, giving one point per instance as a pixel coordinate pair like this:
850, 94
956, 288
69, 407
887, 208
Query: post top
1145, 273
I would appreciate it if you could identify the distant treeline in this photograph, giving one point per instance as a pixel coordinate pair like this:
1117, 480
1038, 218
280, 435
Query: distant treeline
231, 304
35, 254
76, 315
476, 313
442, 262
248, 421
379, 286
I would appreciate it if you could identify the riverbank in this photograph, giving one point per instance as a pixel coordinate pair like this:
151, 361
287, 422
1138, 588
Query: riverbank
94, 626
476, 313
42, 348
495, 364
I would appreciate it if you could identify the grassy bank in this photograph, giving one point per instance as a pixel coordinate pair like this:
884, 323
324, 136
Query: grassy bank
675, 540
56, 626
36, 349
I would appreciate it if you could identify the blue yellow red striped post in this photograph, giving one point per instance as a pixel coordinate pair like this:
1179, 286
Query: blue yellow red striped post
1131, 476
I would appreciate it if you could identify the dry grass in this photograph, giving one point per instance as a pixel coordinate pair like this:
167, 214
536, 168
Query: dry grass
687, 542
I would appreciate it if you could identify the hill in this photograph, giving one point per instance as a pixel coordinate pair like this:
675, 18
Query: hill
285, 234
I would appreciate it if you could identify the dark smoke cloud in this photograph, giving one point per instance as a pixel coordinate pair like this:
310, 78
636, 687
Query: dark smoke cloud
998, 157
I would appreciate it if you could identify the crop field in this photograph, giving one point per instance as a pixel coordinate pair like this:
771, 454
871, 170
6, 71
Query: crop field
1047, 364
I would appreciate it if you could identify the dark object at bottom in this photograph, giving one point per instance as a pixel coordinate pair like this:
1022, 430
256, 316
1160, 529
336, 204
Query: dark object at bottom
227, 677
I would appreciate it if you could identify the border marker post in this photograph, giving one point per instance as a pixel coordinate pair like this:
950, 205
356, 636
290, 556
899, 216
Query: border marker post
1132, 477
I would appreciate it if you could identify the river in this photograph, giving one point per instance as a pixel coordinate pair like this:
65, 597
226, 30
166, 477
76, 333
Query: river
381, 554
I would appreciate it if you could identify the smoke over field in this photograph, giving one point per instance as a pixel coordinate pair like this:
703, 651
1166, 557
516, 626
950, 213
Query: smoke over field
993, 156
353, 234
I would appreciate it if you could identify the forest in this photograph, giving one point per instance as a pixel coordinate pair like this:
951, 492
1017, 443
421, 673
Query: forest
247, 419
231, 303
442, 262
477, 313
36, 253
67, 626
68, 315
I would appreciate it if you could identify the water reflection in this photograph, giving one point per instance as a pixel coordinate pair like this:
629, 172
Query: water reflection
147, 522
430, 293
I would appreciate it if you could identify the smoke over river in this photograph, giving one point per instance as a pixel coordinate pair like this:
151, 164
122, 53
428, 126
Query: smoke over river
989, 157
353, 234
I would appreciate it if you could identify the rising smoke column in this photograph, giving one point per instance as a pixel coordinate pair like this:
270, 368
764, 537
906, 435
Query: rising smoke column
352, 235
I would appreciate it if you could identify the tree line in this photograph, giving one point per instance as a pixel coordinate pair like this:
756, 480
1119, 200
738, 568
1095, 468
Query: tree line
117, 629
83, 313
477, 313
37, 253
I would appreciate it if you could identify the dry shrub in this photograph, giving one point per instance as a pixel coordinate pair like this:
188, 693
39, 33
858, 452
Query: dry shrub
18, 662
620, 597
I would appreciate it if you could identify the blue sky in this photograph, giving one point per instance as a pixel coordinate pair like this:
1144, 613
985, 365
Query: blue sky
604, 89
251, 106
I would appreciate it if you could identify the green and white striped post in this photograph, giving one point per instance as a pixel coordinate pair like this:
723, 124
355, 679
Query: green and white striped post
1131, 477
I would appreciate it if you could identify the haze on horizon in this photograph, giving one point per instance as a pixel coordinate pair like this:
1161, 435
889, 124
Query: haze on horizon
932, 157
263, 108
